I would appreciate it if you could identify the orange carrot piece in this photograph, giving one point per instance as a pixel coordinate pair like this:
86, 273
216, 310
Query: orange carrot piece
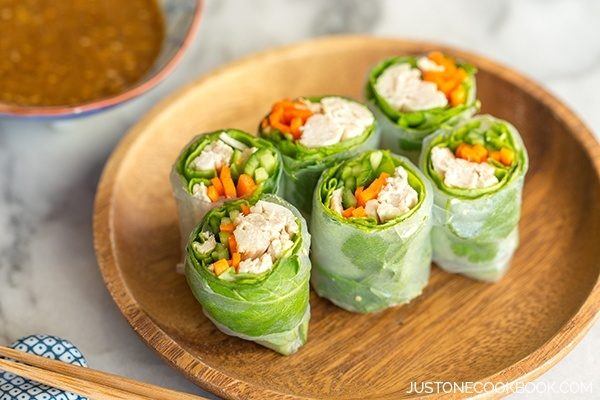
245, 185
228, 185
284, 103
232, 244
480, 153
461, 74
220, 266
495, 155
347, 213
218, 186
229, 227
359, 212
281, 127
295, 112
448, 86
458, 96
507, 156
358, 195
236, 258
373, 190
212, 193
283, 116
378, 183
245, 209
432, 76
477, 153
295, 127
463, 151
276, 115
436, 56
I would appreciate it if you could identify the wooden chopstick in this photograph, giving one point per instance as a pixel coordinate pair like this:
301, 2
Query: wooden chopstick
94, 384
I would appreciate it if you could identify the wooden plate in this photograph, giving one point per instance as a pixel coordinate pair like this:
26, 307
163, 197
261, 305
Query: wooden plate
458, 330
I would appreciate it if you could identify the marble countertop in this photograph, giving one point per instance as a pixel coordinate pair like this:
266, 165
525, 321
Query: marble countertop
49, 279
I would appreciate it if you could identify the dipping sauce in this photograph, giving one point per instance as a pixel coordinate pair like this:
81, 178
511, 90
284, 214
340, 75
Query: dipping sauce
69, 52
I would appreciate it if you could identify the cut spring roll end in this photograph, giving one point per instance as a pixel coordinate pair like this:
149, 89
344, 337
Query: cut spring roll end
220, 166
477, 169
380, 257
412, 97
247, 265
313, 133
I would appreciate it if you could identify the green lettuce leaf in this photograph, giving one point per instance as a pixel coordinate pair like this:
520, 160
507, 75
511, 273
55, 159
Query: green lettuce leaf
272, 308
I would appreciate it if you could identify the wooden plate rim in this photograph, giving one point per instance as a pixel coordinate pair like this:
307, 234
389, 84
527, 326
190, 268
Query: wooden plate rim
226, 386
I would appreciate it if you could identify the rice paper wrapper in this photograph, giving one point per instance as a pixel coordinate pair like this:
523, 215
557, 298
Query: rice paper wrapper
273, 312
190, 209
300, 178
369, 269
478, 237
408, 142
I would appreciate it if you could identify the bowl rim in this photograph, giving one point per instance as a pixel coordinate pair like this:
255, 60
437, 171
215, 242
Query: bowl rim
7, 110
208, 378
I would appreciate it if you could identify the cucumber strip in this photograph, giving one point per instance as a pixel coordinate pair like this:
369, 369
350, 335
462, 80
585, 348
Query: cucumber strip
228, 140
260, 175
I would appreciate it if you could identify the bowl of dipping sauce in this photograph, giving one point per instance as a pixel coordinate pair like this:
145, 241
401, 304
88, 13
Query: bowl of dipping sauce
67, 58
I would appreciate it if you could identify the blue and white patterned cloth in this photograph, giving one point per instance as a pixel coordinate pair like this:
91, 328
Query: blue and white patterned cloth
13, 387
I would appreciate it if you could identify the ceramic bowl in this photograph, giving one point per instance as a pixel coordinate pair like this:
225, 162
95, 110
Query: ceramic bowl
181, 18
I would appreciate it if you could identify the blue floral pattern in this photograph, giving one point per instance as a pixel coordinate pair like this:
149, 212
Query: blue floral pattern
13, 387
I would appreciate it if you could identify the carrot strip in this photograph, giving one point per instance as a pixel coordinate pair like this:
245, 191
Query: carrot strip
289, 114
284, 114
282, 127
284, 103
373, 190
436, 56
458, 96
220, 266
358, 194
507, 156
212, 193
295, 127
236, 258
462, 151
245, 209
449, 80
218, 186
348, 212
229, 227
476, 153
232, 244
496, 156
245, 185
228, 185
276, 114
359, 212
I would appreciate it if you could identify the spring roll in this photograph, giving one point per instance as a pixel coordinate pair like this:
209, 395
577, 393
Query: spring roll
413, 96
477, 169
313, 134
247, 264
219, 166
370, 223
